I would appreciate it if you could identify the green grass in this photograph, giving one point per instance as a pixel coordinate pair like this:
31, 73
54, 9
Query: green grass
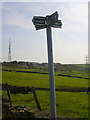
68, 104
72, 104
25, 79
71, 82
40, 80
72, 69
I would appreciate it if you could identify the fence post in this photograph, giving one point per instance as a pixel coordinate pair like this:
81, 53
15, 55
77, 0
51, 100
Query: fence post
35, 97
8, 93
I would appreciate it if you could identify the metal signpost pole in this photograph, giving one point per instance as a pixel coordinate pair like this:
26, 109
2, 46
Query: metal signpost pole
51, 73
48, 22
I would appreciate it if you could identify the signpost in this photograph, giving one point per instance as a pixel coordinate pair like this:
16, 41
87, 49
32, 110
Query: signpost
57, 24
51, 73
48, 22
52, 18
37, 20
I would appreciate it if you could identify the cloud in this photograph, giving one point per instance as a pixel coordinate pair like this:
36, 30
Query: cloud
12, 17
68, 41
18, 20
74, 17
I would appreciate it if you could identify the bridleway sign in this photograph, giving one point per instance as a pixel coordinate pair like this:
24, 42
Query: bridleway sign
48, 22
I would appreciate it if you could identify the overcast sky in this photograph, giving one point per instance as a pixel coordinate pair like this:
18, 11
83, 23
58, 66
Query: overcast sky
70, 43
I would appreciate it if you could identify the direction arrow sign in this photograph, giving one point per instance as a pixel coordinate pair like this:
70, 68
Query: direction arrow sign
40, 26
52, 18
57, 24
48, 20
38, 20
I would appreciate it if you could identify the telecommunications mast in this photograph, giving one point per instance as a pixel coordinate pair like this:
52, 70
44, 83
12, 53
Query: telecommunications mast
9, 51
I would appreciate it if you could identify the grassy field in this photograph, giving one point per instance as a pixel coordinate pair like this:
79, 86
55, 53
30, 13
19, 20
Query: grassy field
41, 80
70, 104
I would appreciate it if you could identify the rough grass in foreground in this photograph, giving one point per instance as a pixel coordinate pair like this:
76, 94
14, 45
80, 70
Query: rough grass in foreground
68, 104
